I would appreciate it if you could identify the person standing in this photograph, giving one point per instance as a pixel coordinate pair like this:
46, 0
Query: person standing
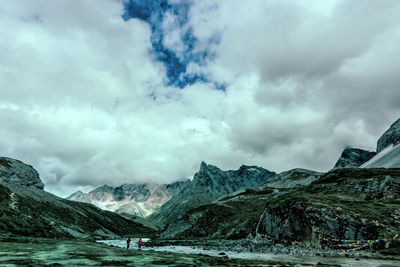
140, 243
128, 242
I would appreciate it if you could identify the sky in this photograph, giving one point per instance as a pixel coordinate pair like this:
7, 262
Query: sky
99, 92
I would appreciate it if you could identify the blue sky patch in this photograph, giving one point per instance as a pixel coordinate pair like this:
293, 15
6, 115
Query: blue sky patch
175, 62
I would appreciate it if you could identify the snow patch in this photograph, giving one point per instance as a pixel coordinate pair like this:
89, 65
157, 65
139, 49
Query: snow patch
13, 202
388, 158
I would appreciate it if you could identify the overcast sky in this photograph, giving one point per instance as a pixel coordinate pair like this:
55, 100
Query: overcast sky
108, 92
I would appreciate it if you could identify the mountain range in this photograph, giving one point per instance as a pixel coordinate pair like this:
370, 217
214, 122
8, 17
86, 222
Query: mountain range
358, 199
135, 199
353, 201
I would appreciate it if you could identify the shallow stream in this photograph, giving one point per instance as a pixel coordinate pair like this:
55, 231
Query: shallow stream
295, 259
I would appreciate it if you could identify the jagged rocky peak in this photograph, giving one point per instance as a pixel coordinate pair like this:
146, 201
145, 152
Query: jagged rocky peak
244, 175
13, 171
209, 184
204, 167
353, 158
390, 137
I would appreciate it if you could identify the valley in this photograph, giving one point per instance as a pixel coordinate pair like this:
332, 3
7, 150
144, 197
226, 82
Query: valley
249, 216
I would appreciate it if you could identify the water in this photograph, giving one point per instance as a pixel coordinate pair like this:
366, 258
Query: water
296, 259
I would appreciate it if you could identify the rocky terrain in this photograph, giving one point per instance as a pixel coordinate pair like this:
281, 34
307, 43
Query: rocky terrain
342, 204
209, 184
353, 158
27, 210
135, 199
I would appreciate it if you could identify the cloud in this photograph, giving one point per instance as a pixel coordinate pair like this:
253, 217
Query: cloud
88, 98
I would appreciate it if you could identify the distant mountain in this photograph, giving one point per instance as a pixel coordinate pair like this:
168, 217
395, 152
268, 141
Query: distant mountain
353, 158
342, 204
209, 184
26, 209
135, 199
293, 178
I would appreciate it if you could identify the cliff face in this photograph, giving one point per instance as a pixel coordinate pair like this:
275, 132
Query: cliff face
209, 184
343, 204
26, 209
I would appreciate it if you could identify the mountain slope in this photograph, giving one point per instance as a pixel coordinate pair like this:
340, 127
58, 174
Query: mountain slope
342, 204
209, 184
136, 199
26, 209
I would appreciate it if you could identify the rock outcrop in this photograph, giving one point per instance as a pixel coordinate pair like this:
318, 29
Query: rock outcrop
390, 137
13, 171
209, 184
342, 204
353, 158
135, 199
26, 209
